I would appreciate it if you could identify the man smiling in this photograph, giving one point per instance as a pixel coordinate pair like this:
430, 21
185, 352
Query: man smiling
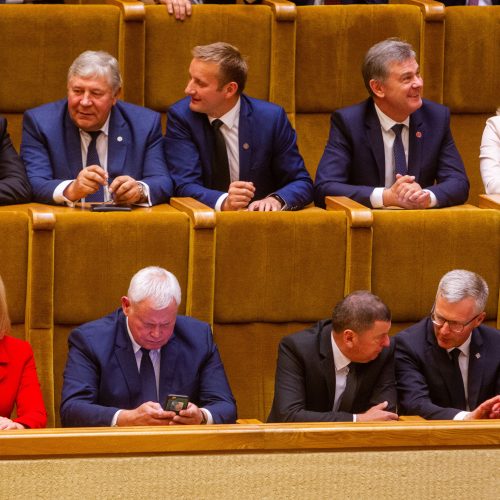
92, 146
448, 364
395, 148
228, 150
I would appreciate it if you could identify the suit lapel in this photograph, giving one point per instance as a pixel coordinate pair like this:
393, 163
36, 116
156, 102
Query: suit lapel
326, 362
416, 144
376, 141
119, 140
73, 146
167, 367
246, 143
126, 359
476, 368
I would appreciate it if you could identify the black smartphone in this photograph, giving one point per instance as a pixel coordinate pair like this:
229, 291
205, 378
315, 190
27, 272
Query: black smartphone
176, 402
109, 207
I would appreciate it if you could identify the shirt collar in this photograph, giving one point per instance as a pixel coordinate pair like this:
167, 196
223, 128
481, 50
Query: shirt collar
340, 360
464, 348
104, 128
231, 117
386, 122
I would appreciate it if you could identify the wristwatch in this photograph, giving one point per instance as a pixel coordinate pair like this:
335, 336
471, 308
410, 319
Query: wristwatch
204, 419
142, 194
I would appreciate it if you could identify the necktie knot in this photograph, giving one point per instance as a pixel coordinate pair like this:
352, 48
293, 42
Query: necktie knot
145, 351
94, 134
455, 353
217, 124
397, 129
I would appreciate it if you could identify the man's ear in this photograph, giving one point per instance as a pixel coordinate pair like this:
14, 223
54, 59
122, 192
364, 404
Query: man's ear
125, 301
230, 89
348, 336
377, 88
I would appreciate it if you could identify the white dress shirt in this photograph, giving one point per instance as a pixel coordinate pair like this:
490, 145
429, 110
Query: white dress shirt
490, 156
388, 136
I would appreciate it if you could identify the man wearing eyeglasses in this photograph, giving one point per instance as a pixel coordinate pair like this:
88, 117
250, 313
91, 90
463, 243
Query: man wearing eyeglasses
448, 364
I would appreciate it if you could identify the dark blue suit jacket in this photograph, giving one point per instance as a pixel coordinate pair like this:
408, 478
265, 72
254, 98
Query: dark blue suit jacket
269, 156
423, 371
305, 379
353, 162
51, 149
101, 374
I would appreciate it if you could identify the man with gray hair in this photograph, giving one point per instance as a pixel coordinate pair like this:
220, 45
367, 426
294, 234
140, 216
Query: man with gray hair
395, 148
339, 370
122, 368
448, 364
93, 147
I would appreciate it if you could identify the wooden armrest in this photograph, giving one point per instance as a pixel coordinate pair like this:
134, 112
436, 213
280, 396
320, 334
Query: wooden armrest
43, 219
359, 215
131, 10
489, 201
431, 11
201, 215
248, 421
411, 418
282, 9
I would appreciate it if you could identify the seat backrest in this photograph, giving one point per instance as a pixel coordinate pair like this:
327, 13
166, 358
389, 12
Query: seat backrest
471, 80
275, 274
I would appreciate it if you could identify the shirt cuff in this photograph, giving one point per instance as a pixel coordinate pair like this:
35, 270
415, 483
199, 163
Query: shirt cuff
208, 415
220, 201
434, 202
377, 198
115, 419
461, 415
58, 194
354, 419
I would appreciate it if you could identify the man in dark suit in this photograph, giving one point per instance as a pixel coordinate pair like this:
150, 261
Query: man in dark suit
14, 185
75, 148
122, 367
448, 365
228, 150
339, 370
394, 149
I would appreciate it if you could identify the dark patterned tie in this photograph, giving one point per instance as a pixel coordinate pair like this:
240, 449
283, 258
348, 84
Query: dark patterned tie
220, 162
350, 389
399, 151
148, 380
93, 159
457, 383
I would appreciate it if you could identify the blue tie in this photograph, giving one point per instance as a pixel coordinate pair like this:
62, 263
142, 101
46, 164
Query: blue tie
148, 380
457, 382
399, 151
93, 159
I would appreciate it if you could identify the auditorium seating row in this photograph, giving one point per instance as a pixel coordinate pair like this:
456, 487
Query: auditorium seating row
307, 59
254, 276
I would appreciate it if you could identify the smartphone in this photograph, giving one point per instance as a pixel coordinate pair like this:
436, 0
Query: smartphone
109, 207
176, 402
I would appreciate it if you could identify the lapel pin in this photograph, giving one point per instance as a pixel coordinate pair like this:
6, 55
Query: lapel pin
246, 146
119, 138
419, 135
478, 355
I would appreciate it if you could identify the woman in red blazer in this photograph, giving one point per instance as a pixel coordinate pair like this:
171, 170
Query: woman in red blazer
18, 380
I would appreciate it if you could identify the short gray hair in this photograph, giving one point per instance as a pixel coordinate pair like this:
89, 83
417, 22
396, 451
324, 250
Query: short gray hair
156, 284
97, 63
379, 58
460, 284
232, 65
